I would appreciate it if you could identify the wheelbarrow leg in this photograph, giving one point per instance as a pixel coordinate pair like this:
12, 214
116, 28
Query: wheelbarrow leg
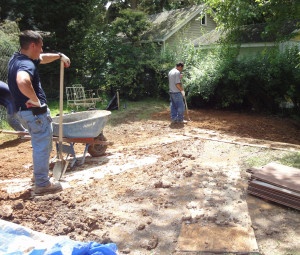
84, 153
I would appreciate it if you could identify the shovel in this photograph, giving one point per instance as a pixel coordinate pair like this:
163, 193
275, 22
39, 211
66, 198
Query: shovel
60, 164
187, 110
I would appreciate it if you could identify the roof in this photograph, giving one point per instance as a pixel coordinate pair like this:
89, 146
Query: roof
165, 24
212, 37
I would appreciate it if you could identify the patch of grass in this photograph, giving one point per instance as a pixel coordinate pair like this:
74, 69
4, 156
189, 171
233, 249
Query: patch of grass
292, 160
135, 111
282, 157
54, 107
129, 110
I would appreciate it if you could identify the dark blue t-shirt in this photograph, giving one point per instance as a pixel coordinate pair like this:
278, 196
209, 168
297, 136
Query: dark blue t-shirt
20, 62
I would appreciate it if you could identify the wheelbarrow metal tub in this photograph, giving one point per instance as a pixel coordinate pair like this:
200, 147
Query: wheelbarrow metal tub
86, 124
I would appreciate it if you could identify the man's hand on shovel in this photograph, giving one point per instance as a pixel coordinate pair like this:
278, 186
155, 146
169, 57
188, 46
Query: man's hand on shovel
65, 59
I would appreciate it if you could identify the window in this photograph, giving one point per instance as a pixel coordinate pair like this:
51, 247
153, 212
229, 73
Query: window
203, 19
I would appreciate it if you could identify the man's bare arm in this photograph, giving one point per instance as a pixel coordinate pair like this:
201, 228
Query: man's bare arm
179, 86
48, 57
25, 86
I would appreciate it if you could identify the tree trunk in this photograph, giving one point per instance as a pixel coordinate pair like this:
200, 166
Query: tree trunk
133, 4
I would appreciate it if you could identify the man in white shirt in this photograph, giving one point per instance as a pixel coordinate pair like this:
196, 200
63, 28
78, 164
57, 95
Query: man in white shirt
177, 94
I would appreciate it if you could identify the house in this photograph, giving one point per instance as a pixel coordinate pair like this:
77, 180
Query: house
171, 26
194, 24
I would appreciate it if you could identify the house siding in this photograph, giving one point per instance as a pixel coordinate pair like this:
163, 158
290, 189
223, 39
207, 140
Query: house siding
289, 44
192, 30
252, 51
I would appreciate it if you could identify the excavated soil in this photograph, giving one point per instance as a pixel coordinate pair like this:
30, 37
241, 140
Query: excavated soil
156, 177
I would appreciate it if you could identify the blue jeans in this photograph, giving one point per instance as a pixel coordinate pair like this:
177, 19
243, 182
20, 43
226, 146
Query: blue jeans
177, 106
40, 129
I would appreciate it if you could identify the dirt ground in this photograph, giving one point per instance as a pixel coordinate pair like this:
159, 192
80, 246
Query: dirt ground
156, 177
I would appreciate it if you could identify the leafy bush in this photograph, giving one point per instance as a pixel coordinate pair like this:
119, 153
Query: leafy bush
263, 82
273, 76
8, 45
118, 62
204, 72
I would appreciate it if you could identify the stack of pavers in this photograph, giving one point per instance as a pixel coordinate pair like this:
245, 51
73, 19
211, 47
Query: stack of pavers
277, 183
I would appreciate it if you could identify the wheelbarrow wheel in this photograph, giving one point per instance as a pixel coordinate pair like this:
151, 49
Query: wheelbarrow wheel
97, 150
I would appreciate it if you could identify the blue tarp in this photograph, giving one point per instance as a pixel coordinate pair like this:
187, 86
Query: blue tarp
19, 240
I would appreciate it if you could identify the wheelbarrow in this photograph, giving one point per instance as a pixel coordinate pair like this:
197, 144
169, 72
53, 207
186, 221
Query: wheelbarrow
82, 127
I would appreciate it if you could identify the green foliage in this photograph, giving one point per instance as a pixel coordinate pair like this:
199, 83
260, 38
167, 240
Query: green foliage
66, 22
290, 76
270, 79
3, 118
9, 43
231, 15
204, 69
261, 83
176, 4
115, 62
130, 71
96, 46
219, 78
148, 6
132, 24
203, 77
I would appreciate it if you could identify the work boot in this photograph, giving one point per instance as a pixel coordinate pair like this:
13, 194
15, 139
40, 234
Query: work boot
52, 188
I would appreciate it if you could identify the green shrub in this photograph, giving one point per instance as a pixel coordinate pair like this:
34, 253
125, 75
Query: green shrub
262, 82
8, 45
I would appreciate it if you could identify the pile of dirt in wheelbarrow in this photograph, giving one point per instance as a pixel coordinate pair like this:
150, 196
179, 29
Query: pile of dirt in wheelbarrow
157, 180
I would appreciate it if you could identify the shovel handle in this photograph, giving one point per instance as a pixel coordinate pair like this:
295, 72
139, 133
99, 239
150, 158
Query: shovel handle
186, 107
61, 106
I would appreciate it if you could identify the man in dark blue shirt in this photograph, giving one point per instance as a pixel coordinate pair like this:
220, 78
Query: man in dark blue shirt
30, 102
